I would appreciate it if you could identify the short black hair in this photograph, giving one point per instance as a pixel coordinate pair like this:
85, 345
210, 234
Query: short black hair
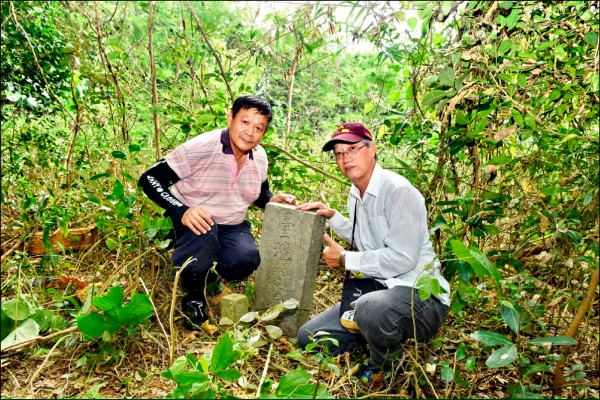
247, 102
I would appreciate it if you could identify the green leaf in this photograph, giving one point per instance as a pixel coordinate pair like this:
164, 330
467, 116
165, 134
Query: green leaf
17, 309
434, 97
368, 107
479, 262
513, 18
512, 318
447, 374
230, 375
490, 338
591, 38
136, 311
553, 340
517, 117
532, 369
502, 357
504, 47
118, 154
93, 325
274, 331
412, 23
272, 313
98, 176
25, 331
222, 355
499, 160
118, 190
295, 385
6, 325
112, 299
447, 76
507, 5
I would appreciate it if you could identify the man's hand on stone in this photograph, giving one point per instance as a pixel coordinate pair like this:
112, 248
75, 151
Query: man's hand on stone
331, 253
285, 198
198, 219
322, 209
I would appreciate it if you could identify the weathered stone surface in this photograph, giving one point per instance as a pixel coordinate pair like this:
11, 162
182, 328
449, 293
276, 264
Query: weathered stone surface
234, 306
290, 248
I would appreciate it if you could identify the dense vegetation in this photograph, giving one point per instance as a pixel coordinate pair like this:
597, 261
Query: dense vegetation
489, 108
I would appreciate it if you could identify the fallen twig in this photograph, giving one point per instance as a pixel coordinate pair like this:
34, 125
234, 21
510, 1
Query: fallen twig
264, 374
25, 343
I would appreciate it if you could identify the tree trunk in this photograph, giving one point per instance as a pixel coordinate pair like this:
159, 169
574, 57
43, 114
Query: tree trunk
153, 78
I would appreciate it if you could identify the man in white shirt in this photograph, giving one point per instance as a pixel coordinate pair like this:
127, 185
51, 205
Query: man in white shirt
388, 222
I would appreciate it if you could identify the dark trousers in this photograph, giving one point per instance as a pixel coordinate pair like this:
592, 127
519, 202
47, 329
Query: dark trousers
232, 247
386, 319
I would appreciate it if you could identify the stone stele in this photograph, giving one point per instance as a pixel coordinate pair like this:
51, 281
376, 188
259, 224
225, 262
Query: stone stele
290, 249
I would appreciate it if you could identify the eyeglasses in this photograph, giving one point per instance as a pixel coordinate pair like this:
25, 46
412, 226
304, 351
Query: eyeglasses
351, 151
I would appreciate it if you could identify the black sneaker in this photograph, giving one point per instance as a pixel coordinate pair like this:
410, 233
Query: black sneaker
194, 313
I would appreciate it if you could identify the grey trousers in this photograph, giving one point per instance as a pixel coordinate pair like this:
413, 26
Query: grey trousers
385, 319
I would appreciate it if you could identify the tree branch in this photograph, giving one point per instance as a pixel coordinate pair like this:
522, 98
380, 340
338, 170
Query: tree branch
212, 50
319, 170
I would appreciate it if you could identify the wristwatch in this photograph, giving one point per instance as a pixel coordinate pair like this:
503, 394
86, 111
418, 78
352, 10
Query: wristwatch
342, 259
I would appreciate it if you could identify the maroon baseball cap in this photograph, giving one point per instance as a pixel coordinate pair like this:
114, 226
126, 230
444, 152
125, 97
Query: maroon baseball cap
349, 132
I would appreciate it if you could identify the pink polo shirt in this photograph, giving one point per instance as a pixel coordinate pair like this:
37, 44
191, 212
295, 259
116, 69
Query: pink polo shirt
209, 177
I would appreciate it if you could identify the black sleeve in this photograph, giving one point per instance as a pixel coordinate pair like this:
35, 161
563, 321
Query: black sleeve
156, 182
265, 195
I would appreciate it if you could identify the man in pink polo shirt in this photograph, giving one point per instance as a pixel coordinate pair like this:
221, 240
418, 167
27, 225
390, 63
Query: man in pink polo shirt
214, 178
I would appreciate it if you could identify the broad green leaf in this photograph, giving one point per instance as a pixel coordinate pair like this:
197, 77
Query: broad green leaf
512, 318
478, 261
138, 310
118, 190
499, 160
504, 47
6, 325
490, 338
368, 107
222, 355
517, 117
434, 97
591, 38
93, 325
532, 369
118, 154
553, 340
518, 391
502, 357
112, 299
274, 331
230, 375
513, 18
290, 304
17, 309
490, 268
111, 243
249, 316
272, 313
25, 331
295, 385
412, 23
447, 77
447, 374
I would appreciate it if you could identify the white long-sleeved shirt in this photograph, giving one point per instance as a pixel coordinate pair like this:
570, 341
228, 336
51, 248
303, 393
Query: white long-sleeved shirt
391, 233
